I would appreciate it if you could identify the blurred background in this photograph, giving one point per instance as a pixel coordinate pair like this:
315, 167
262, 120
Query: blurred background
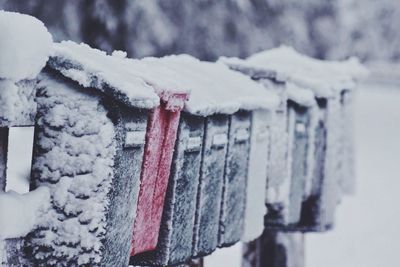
367, 231
207, 29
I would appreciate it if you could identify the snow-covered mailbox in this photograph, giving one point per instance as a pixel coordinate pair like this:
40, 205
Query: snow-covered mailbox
104, 144
24, 50
315, 134
206, 197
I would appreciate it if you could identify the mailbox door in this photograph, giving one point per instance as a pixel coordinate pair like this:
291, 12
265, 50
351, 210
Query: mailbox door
187, 175
210, 187
299, 128
278, 182
175, 241
347, 140
160, 141
235, 179
257, 175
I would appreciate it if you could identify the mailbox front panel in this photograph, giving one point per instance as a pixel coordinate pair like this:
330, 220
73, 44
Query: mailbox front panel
160, 142
235, 179
257, 175
210, 187
175, 241
348, 182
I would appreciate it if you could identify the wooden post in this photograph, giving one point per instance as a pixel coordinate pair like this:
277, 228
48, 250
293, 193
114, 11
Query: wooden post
195, 263
275, 249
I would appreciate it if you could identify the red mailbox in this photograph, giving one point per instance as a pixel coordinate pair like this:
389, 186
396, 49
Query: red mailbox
160, 141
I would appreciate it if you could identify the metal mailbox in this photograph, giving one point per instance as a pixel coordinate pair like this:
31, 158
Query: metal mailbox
235, 179
257, 174
209, 198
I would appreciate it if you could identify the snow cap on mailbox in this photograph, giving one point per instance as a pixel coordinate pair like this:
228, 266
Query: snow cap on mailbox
24, 49
214, 88
286, 64
93, 68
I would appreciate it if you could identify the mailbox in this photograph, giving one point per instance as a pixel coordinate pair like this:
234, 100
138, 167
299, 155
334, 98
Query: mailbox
209, 199
257, 174
319, 207
235, 179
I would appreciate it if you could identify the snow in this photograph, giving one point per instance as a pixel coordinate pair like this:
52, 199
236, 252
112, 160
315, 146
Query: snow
367, 228
113, 74
25, 45
214, 88
300, 95
286, 64
19, 158
21, 213
17, 106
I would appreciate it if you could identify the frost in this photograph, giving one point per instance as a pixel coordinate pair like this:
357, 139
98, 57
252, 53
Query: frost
25, 45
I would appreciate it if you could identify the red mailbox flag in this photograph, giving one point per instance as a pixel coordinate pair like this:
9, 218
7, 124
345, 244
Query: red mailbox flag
160, 142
